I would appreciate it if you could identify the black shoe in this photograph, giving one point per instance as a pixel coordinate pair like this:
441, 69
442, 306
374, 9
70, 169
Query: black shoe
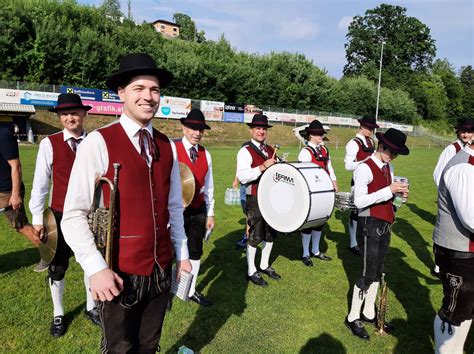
357, 329
307, 261
200, 299
387, 327
271, 273
169, 304
355, 250
57, 327
321, 256
94, 316
256, 278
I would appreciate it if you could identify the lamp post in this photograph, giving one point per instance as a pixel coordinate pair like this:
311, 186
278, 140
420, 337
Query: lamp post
378, 86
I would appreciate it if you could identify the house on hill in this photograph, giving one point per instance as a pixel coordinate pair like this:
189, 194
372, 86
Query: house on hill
167, 28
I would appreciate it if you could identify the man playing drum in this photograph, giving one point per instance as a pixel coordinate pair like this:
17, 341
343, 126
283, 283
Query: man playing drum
453, 238
318, 154
252, 160
373, 195
54, 162
359, 149
199, 215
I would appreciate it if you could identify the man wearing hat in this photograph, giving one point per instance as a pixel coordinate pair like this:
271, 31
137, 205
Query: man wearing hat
453, 239
359, 149
252, 160
373, 195
317, 153
149, 222
199, 215
54, 162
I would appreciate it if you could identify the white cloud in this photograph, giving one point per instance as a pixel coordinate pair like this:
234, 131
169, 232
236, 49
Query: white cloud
297, 28
344, 23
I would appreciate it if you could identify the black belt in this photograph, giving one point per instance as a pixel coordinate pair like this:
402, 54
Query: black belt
442, 251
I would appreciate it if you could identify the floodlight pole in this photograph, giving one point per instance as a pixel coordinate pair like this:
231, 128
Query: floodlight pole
378, 86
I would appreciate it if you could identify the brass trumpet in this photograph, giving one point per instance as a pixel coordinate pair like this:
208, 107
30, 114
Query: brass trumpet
102, 220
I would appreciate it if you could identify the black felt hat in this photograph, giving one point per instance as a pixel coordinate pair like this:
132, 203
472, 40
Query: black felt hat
137, 64
195, 120
69, 101
368, 121
315, 128
259, 120
394, 140
465, 125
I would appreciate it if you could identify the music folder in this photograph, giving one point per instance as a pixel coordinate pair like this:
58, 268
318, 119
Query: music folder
181, 288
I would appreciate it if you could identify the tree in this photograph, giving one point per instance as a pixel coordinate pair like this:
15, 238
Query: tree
188, 30
466, 78
111, 9
409, 47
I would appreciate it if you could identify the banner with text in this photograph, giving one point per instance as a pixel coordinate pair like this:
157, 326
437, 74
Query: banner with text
91, 94
173, 107
233, 112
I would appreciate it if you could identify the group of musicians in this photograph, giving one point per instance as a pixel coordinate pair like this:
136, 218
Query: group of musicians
129, 301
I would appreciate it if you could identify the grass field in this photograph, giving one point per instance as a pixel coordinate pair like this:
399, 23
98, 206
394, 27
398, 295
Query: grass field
302, 313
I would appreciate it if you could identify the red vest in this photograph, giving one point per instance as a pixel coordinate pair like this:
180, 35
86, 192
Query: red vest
257, 160
383, 211
199, 168
63, 159
322, 160
364, 151
457, 146
141, 237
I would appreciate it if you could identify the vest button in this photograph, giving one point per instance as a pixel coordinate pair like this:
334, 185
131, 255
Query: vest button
154, 199
156, 214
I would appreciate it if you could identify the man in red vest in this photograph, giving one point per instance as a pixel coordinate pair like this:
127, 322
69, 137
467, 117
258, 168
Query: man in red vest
252, 160
54, 162
359, 149
199, 215
373, 195
149, 221
317, 153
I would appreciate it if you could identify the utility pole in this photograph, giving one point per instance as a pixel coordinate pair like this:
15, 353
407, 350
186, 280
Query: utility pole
378, 86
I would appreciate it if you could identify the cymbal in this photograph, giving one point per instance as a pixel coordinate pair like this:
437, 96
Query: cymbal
49, 242
187, 183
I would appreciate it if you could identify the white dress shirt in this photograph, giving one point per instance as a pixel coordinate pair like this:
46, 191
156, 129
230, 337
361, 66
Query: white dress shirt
91, 162
245, 173
208, 187
362, 177
459, 181
443, 159
306, 156
352, 148
42, 176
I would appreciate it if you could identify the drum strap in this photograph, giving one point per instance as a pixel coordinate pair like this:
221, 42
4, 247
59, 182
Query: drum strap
363, 147
319, 156
258, 151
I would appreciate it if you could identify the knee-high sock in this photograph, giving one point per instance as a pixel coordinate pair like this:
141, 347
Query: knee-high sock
353, 232
445, 343
90, 303
369, 304
358, 297
315, 238
305, 240
461, 338
251, 252
266, 251
194, 272
57, 290
436, 269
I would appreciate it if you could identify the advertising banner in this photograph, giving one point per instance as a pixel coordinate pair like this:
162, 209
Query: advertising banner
91, 94
9, 96
249, 111
290, 117
401, 127
106, 108
212, 110
173, 107
233, 112
37, 98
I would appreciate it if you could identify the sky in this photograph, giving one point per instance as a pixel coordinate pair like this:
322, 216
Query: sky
262, 26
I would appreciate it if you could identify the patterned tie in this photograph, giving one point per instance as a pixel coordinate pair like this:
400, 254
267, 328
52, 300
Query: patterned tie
386, 172
263, 148
369, 142
193, 154
143, 135
74, 143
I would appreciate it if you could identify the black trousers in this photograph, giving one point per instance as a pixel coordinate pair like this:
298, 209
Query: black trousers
373, 237
132, 321
259, 230
457, 275
60, 263
195, 228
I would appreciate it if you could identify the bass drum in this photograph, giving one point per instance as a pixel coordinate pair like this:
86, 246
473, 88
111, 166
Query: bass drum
295, 196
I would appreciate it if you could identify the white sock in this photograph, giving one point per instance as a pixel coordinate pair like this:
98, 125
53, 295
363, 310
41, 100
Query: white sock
251, 252
305, 240
57, 290
353, 232
445, 343
266, 250
315, 238
194, 272
461, 338
90, 303
369, 304
436, 269
358, 297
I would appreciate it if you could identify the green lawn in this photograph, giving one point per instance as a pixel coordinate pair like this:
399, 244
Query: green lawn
302, 313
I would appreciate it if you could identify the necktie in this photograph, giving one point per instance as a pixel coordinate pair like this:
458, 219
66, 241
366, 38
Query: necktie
263, 148
143, 135
193, 154
386, 172
369, 142
74, 143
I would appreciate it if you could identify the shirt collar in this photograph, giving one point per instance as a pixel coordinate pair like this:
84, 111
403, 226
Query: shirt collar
131, 127
256, 143
378, 162
67, 135
314, 145
468, 150
187, 145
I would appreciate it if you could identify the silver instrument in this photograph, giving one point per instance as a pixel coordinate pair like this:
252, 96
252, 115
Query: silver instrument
345, 201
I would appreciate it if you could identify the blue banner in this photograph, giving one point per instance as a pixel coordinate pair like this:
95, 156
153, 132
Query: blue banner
90, 94
233, 112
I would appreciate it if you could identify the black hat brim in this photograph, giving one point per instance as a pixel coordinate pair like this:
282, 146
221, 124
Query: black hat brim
367, 124
121, 78
396, 149
62, 108
253, 125
194, 126
315, 131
